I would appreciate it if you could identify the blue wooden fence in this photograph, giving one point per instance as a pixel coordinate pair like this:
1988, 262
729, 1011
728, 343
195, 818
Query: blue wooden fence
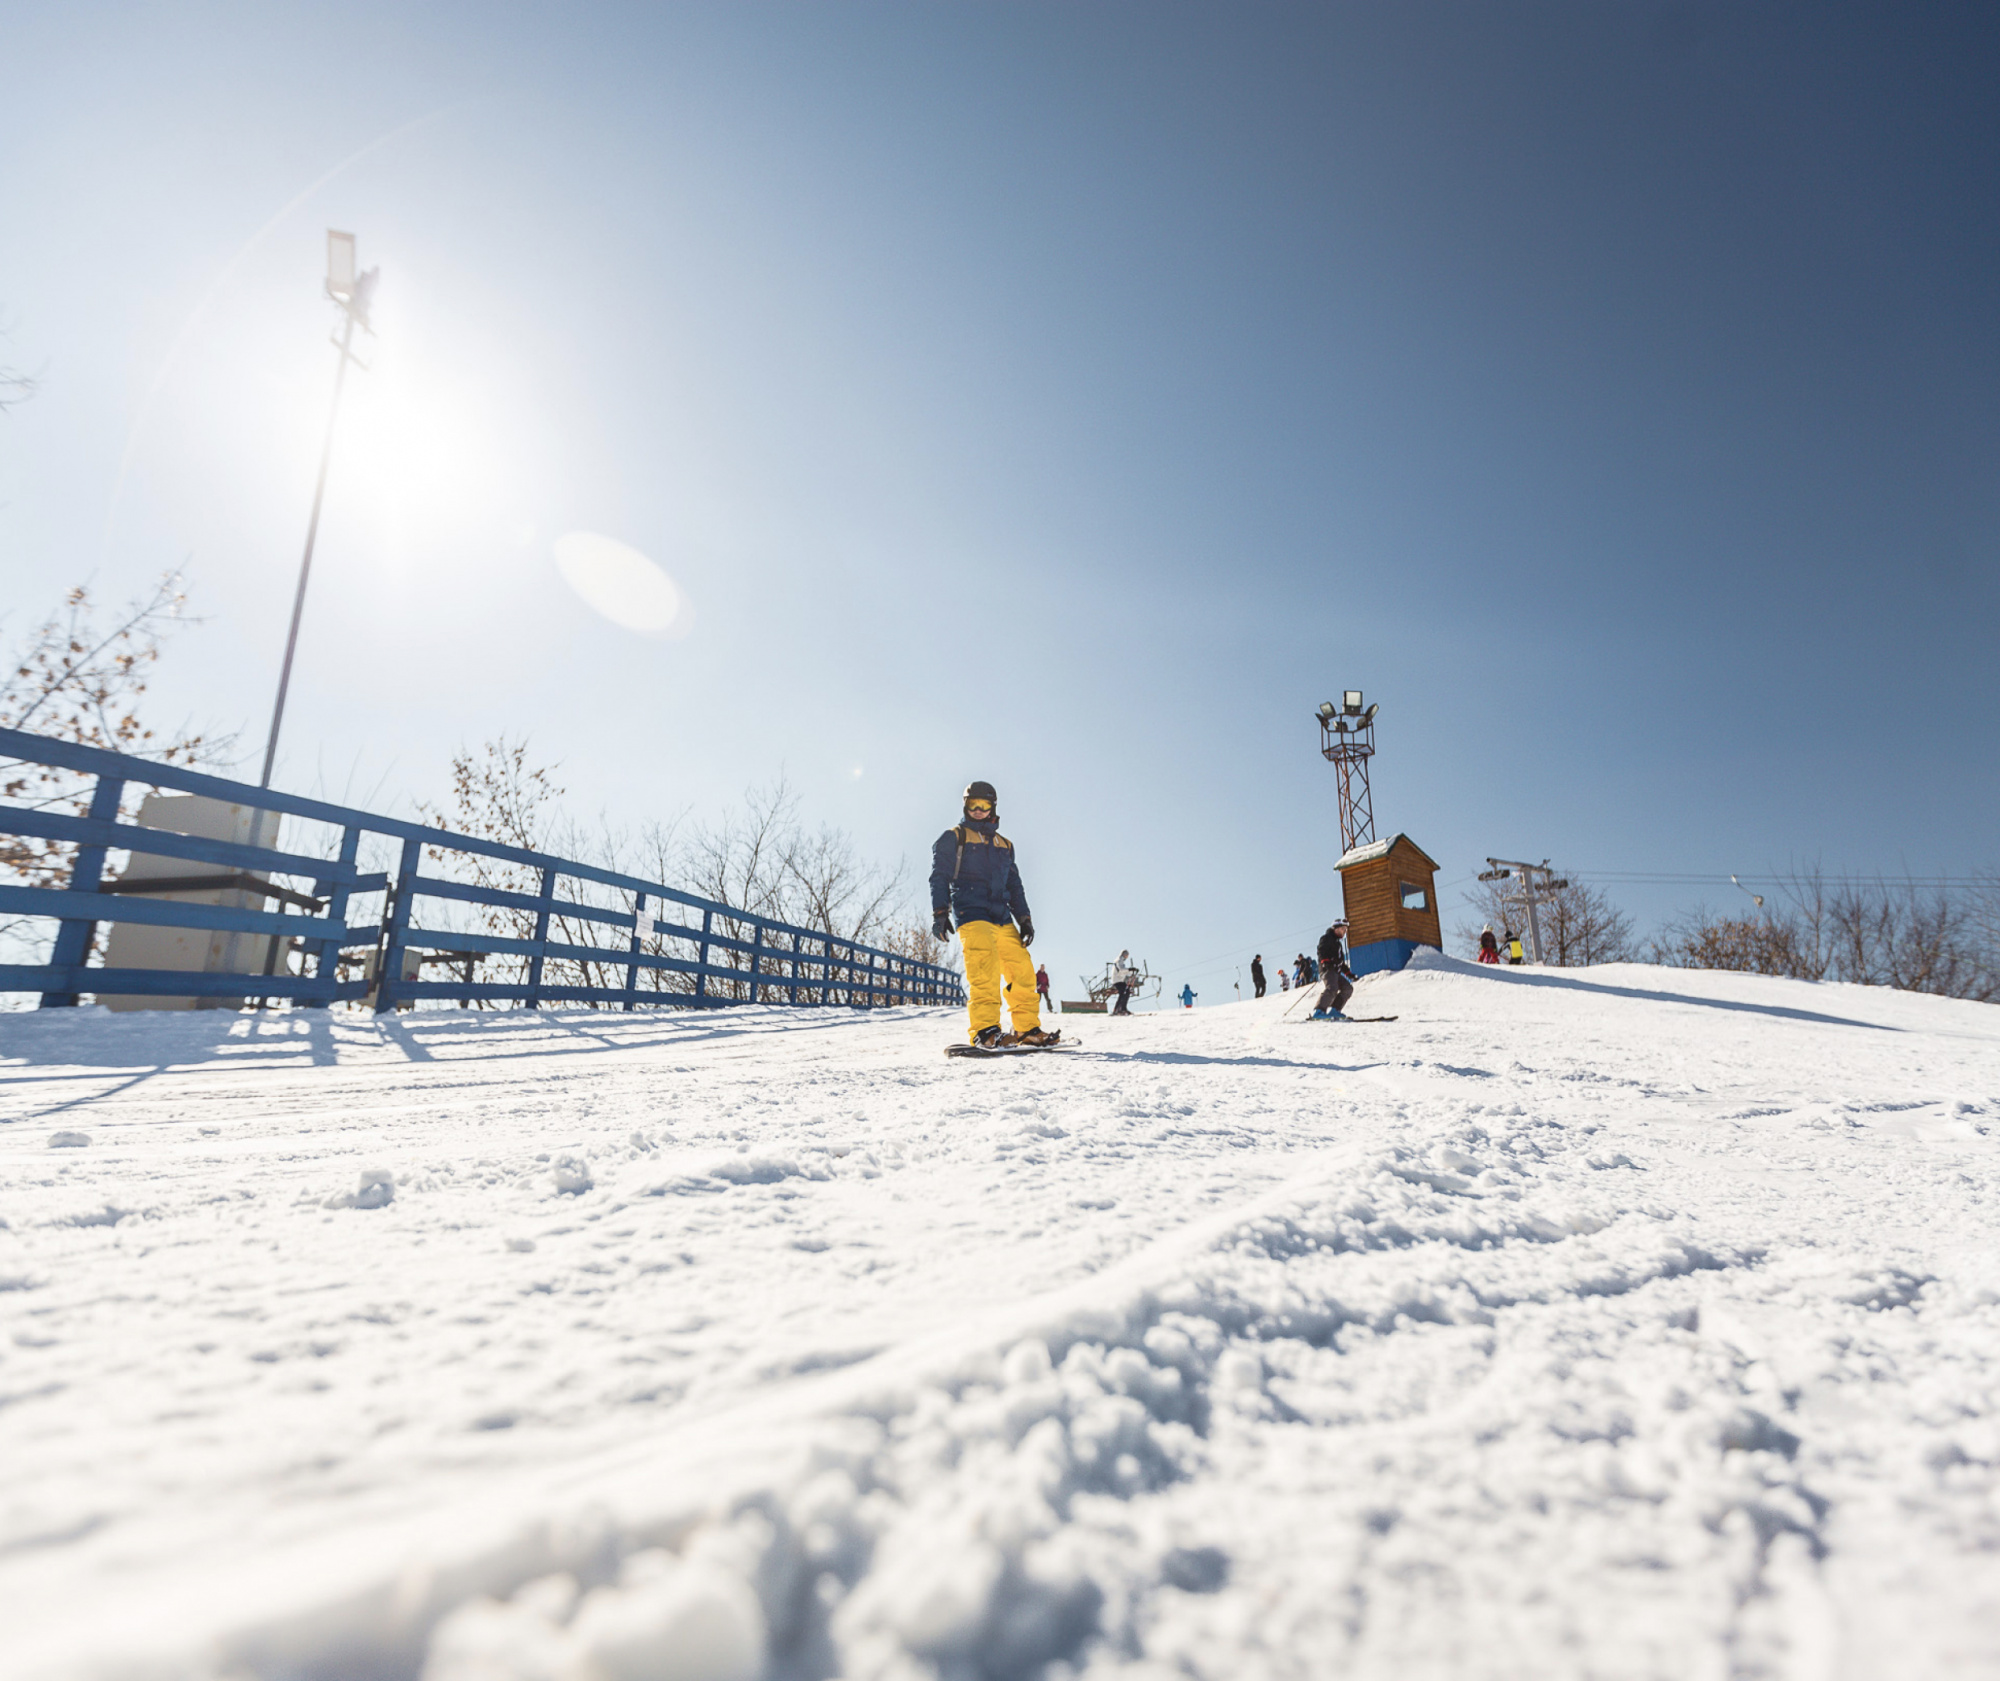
692, 952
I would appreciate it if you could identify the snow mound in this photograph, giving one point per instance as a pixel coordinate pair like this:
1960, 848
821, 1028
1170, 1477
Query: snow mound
1620, 1322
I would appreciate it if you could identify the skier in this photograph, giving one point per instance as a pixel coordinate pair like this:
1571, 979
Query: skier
974, 873
1042, 986
1515, 955
1339, 978
1299, 971
1257, 973
1284, 978
1122, 977
1489, 948
1188, 996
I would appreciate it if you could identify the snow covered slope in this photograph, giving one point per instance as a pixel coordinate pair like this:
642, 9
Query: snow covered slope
1617, 1323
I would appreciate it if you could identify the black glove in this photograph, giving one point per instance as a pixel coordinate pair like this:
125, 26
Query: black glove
941, 925
1027, 932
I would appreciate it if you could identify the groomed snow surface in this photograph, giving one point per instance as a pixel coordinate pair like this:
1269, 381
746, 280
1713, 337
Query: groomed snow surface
1618, 1323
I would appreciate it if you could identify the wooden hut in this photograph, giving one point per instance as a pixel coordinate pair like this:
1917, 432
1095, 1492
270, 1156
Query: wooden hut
1390, 890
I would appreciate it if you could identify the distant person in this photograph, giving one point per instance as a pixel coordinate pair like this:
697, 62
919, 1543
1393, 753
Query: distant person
1188, 996
1299, 970
1312, 971
1257, 973
1042, 984
1122, 977
1514, 952
1284, 978
1489, 948
974, 876
1339, 978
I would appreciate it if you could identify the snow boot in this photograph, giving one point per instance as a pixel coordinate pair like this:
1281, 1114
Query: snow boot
989, 1038
1037, 1036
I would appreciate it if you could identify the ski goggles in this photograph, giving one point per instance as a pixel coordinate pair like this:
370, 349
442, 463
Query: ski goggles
978, 808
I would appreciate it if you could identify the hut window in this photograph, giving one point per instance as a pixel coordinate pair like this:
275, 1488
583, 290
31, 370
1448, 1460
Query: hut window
1415, 897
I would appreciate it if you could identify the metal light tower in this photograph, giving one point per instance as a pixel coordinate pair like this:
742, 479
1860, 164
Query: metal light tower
1347, 740
354, 293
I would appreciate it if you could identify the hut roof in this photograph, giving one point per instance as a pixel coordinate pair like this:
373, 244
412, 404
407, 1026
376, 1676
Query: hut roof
1381, 849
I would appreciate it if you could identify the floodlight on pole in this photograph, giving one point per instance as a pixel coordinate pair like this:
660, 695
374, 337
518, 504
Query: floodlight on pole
354, 292
1347, 742
1756, 898
339, 265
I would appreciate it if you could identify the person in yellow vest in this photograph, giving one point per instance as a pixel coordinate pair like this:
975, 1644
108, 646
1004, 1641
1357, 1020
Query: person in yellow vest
975, 877
1514, 952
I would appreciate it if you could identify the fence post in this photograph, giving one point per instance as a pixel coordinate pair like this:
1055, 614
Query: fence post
535, 963
326, 956
794, 998
632, 968
395, 923
756, 960
72, 943
701, 955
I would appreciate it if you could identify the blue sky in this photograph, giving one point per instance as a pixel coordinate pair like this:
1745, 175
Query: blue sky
1071, 396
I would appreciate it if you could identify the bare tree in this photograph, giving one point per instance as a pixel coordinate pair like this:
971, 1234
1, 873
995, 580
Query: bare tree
1915, 936
500, 795
81, 678
756, 859
15, 387
762, 859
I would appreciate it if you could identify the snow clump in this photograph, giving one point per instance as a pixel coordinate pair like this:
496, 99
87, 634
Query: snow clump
376, 1190
68, 1140
571, 1175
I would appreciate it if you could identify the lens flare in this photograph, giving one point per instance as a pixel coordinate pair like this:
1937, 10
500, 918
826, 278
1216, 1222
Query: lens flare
621, 583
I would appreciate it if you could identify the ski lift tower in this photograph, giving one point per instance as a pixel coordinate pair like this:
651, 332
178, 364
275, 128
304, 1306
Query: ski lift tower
1347, 741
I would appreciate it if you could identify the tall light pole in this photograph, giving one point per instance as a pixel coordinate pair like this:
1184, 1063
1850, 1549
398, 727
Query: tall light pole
1347, 742
354, 293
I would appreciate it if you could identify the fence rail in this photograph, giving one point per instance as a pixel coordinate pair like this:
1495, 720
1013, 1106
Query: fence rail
725, 955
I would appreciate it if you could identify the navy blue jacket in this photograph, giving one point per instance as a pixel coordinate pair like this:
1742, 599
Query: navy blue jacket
1333, 955
973, 873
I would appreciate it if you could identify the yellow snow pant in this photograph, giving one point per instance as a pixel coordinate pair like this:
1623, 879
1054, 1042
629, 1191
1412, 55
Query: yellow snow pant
993, 949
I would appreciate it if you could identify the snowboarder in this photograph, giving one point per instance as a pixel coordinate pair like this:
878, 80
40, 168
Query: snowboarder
1042, 986
974, 873
1257, 973
1489, 948
1339, 978
1122, 976
1188, 996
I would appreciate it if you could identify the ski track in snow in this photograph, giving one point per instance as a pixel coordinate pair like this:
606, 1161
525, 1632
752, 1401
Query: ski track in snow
1624, 1323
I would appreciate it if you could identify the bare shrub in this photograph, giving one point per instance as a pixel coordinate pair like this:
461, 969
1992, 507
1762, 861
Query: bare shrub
1916, 936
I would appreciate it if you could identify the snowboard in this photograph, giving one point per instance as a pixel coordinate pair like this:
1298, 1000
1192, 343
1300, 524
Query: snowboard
1009, 1050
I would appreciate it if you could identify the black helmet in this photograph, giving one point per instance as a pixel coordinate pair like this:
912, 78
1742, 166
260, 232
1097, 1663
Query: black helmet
981, 791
